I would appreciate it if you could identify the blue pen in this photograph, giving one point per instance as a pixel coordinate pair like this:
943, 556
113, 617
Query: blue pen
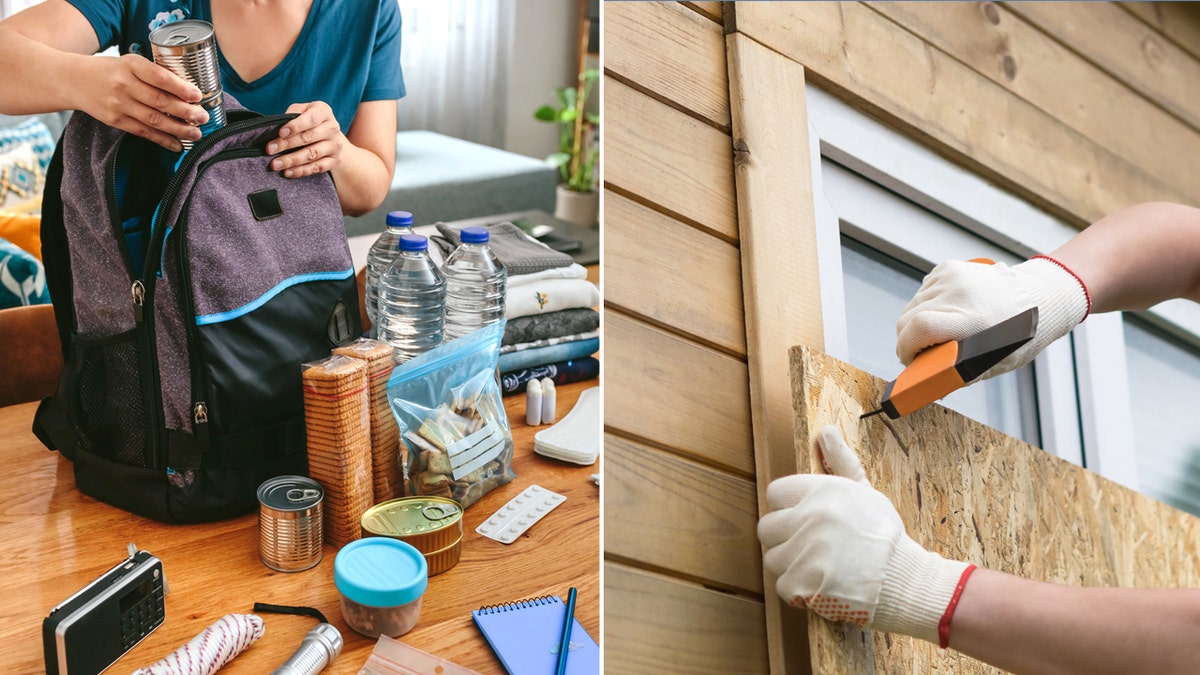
565, 641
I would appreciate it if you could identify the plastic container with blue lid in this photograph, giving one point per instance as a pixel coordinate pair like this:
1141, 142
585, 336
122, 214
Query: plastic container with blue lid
381, 582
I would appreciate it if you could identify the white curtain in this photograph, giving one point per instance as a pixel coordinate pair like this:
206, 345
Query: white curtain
10, 7
455, 59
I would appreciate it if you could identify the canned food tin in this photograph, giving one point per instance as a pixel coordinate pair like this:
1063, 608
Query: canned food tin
189, 49
432, 525
290, 523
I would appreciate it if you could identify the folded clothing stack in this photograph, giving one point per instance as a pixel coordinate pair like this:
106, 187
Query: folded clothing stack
553, 326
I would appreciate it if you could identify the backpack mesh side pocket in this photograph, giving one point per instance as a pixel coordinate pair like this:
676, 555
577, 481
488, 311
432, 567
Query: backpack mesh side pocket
108, 412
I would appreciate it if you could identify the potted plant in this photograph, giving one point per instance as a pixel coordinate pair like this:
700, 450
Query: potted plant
578, 150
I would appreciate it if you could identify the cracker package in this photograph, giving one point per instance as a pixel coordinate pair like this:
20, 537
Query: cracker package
385, 437
338, 430
451, 416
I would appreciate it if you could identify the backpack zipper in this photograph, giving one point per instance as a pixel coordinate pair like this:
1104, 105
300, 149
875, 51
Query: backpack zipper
145, 338
150, 272
200, 421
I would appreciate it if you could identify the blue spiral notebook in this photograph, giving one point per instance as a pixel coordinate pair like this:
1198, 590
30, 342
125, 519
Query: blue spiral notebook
524, 634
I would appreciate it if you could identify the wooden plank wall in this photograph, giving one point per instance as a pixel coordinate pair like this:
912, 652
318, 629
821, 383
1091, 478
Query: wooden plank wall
1081, 108
683, 587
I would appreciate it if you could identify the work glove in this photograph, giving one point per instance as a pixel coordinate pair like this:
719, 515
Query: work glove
958, 299
838, 547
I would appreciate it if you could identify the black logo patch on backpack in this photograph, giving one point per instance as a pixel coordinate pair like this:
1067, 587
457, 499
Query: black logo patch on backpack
186, 298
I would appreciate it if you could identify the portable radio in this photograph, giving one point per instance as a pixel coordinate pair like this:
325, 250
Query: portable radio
97, 625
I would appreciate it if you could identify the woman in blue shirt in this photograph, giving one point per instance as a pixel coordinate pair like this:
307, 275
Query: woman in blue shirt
334, 63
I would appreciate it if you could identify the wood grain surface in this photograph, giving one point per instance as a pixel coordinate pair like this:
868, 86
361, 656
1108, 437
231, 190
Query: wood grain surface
879, 66
57, 540
972, 493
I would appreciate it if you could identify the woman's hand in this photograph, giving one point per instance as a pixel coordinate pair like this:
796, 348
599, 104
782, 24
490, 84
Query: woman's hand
311, 143
141, 97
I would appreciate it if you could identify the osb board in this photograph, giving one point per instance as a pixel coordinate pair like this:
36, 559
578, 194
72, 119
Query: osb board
972, 493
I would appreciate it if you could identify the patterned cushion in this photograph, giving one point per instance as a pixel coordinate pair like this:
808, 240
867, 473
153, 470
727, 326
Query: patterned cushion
22, 278
34, 132
21, 176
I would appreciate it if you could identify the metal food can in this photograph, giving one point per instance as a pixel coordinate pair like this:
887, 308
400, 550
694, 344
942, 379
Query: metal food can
188, 48
432, 525
290, 523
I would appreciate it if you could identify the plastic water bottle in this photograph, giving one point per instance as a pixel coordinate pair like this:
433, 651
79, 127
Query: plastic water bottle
475, 284
412, 293
380, 256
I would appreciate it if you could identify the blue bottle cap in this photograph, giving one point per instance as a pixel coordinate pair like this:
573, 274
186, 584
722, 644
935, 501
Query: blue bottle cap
380, 572
474, 235
413, 242
399, 219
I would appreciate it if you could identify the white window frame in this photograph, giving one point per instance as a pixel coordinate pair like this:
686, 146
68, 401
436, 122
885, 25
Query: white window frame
1083, 401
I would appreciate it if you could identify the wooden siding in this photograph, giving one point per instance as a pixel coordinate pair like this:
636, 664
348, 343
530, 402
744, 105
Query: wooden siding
1081, 108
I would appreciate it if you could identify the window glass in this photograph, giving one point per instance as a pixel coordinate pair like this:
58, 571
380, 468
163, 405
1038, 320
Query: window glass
1164, 380
877, 287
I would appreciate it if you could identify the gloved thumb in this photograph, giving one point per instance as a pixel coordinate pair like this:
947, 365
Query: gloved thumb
838, 458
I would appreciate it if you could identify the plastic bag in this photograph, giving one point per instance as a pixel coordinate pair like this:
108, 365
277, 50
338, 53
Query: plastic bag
452, 420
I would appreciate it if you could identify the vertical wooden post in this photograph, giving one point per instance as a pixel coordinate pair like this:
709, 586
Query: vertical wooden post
773, 174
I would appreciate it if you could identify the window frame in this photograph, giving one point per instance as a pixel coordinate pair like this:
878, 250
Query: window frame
1082, 384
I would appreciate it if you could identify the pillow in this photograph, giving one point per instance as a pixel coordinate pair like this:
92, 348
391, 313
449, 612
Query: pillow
21, 176
22, 278
34, 132
24, 230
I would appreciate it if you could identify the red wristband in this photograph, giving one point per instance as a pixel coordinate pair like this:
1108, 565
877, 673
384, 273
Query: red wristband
1068, 270
944, 624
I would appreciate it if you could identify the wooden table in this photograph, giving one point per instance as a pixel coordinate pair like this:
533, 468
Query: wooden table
55, 540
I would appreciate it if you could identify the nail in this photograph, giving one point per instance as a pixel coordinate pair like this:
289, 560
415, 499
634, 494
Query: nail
273, 148
289, 173
194, 134
285, 132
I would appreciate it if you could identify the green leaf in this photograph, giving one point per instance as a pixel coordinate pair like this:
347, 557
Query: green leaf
545, 114
593, 118
567, 116
558, 158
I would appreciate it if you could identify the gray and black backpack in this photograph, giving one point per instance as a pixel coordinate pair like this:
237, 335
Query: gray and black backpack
187, 291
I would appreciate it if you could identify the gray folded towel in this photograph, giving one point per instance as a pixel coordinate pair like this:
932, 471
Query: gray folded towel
520, 253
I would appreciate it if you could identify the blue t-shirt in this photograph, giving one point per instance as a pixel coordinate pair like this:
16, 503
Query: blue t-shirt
346, 53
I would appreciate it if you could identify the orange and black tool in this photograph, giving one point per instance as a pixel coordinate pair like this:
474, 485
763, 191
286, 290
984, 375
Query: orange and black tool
942, 369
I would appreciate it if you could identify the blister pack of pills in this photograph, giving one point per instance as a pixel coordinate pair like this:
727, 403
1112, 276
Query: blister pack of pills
519, 514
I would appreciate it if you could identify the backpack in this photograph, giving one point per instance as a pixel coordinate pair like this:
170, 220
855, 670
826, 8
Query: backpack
187, 291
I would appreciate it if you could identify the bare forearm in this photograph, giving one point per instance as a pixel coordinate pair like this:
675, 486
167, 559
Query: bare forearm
37, 78
1138, 257
362, 180
1032, 627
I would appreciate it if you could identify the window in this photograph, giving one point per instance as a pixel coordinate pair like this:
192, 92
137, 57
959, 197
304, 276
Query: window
1164, 379
1113, 396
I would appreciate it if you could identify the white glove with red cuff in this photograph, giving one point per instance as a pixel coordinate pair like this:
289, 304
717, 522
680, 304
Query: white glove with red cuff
838, 547
958, 299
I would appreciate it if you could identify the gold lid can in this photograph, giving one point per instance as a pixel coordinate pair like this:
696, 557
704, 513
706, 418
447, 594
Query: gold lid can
428, 523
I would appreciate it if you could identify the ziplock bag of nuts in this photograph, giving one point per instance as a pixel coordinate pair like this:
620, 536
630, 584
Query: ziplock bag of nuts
452, 420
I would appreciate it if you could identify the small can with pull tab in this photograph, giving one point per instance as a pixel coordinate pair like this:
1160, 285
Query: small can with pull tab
433, 525
290, 523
